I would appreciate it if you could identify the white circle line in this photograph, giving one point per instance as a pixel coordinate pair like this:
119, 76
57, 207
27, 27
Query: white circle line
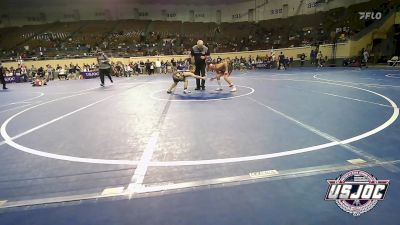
396, 76
25, 100
391, 120
354, 83
202, 100
297, 151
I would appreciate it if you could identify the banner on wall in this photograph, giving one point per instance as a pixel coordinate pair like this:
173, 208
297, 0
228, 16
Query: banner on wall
12, 79
90, 75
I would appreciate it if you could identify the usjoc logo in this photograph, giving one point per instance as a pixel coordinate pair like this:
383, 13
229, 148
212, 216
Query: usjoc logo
370, 15
356, 191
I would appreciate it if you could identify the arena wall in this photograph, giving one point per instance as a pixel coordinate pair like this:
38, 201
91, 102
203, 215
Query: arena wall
342, 51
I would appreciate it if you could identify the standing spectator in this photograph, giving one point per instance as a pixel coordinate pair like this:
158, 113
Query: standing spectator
148, 64
273, 59
169, 66
24, 73
141, 67
281, 64
366, 55
128, 70
152, 68
50, 72
2, 72
174, 65
302, 59
200, 52
163, 67
136, 68
158, 66
312, 57
320, 59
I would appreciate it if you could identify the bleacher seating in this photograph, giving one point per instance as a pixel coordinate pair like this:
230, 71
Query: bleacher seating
149, 37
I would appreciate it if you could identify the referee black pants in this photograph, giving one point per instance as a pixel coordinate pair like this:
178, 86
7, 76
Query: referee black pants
200, 71
105, 72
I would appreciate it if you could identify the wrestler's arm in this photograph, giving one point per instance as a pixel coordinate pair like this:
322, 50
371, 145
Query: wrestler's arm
190, 74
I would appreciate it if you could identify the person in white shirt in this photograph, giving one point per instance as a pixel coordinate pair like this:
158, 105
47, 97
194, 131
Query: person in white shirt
62, 73
24, 73
158, 66
128, 70
151, 68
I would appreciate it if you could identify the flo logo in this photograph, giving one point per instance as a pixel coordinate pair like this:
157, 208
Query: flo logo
356, 191
370, 15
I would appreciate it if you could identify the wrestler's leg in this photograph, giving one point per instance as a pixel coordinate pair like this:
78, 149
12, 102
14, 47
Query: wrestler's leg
219, 83
185, 86
229, 81
173, 86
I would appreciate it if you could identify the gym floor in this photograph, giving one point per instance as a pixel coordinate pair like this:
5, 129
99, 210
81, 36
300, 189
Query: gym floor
73, 152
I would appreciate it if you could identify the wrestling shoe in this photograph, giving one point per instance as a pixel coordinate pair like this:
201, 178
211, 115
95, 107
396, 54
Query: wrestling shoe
219, 89
186, 92
169, 92
233, 89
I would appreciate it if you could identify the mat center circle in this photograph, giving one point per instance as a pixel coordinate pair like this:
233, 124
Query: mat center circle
210, 94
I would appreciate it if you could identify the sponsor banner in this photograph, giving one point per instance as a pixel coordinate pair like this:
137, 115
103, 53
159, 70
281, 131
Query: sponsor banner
90, 75
12, 79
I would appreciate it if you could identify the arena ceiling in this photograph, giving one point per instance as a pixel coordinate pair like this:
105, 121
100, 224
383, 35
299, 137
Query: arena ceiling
169, 2
188, 1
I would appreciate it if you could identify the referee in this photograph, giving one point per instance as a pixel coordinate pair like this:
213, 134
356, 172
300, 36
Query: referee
200, 52
104, 67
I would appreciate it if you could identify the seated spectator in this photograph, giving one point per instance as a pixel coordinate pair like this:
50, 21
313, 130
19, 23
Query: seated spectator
40, 72
128, 70
33, 71
62, 73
